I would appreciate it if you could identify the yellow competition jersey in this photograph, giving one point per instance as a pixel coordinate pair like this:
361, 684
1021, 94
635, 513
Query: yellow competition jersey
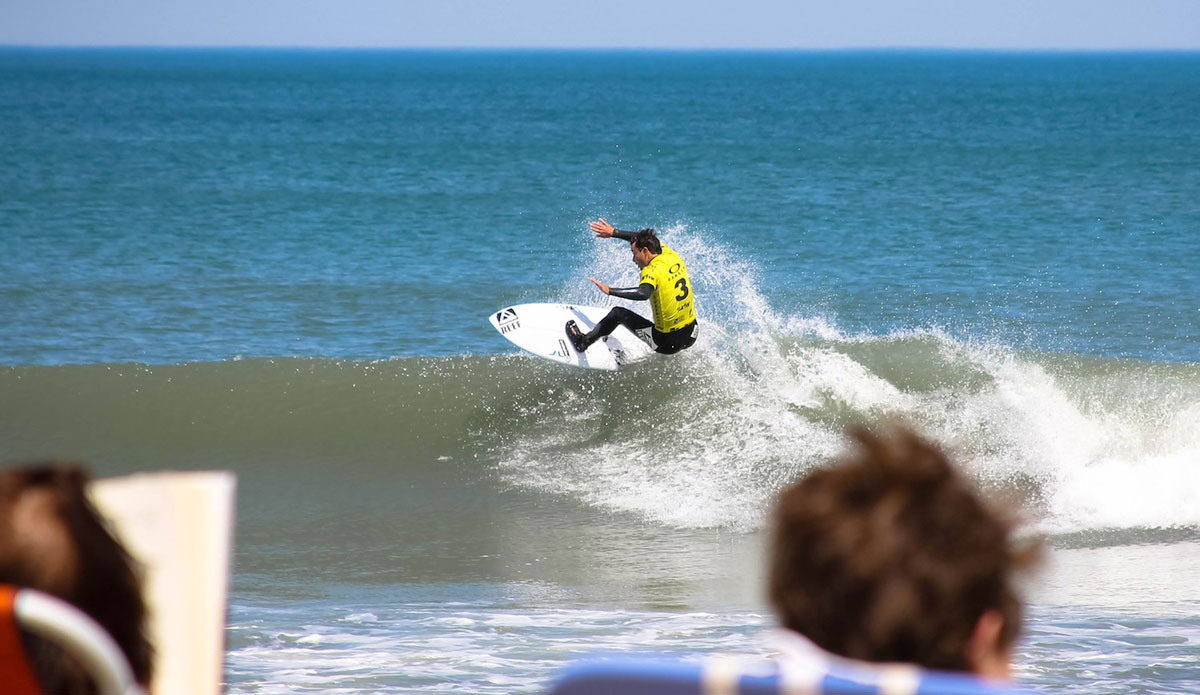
672, 297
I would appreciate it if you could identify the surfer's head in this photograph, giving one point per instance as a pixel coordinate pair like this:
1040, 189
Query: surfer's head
645, 247
889, 554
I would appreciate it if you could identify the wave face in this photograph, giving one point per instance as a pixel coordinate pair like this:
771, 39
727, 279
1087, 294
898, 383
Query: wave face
703, 439
699, 440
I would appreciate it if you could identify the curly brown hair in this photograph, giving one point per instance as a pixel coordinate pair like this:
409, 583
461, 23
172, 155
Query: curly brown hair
890, 554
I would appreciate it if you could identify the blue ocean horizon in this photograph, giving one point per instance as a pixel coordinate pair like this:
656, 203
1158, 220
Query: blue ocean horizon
282, 263
1043, 200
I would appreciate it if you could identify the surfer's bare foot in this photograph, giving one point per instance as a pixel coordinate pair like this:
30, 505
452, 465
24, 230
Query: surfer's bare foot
577, 339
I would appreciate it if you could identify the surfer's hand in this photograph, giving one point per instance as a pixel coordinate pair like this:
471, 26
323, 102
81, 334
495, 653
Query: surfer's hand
603, 287
602, 229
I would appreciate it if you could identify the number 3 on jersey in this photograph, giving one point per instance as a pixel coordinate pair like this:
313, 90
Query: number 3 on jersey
682, 286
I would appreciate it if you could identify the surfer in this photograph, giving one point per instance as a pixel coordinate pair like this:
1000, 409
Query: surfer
664, 281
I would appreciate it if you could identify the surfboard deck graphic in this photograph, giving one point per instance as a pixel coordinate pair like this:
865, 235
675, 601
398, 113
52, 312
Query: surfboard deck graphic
541, 330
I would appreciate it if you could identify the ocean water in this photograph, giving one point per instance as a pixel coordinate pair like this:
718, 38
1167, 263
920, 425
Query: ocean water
282, 263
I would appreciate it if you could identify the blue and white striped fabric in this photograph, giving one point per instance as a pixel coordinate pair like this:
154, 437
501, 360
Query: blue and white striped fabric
731, 677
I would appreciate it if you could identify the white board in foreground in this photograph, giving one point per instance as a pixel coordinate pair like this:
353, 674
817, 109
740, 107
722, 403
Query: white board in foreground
179, 526
541, 330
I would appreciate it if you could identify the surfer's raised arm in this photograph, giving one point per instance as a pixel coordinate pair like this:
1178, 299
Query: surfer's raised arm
605, 230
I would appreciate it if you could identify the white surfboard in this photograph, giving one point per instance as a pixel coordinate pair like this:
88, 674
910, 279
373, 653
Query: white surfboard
541, 330
179, 527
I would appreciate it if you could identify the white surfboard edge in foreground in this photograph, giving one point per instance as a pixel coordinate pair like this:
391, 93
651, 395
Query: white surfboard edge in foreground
540, 329
179, 526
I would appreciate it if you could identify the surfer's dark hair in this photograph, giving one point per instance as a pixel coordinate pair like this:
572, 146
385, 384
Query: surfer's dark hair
889, 554
646, 239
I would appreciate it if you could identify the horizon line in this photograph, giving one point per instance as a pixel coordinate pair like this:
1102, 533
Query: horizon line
599, 49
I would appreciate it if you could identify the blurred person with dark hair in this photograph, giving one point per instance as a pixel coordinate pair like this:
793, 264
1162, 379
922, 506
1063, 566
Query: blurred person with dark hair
890, 555
52, 539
